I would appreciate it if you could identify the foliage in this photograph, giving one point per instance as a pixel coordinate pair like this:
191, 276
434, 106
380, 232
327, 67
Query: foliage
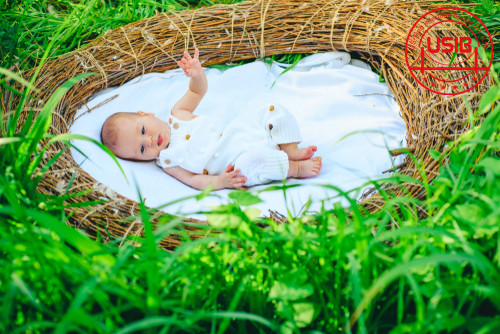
489, 13
338, 270
27, 26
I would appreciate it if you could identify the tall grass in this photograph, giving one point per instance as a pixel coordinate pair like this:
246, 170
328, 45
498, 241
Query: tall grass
340, 270
27, 26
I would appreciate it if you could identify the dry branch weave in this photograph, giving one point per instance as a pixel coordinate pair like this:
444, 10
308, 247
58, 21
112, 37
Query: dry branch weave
377, 30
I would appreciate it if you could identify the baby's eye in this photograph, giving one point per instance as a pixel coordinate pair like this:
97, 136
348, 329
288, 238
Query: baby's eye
143, 131
142, 149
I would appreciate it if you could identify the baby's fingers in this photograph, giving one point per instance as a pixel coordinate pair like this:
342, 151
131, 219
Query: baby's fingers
188, 57
235, 172
238, 182
228, 168
182, 64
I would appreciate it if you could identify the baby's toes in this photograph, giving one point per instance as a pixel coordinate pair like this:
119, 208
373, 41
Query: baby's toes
316, 170
317, 164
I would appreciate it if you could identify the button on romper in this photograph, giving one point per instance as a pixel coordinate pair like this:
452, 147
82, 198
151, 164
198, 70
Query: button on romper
249, 142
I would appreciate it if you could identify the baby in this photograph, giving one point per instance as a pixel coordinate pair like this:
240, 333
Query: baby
255, 148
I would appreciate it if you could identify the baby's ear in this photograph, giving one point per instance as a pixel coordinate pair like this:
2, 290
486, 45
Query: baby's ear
142, 113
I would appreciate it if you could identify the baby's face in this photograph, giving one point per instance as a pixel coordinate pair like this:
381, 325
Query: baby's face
142, 137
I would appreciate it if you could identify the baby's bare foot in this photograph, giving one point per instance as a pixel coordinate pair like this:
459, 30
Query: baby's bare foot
305, 168
301, 153
304, 153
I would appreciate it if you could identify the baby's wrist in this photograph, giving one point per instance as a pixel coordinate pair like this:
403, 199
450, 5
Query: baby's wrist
197, 74
218, 183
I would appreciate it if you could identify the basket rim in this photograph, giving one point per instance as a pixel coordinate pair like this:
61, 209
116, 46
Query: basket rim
230, 33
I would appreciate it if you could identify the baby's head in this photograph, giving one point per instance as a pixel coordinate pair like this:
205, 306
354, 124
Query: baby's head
135, 136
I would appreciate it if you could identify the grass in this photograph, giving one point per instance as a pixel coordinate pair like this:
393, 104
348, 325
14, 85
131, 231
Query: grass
318, 273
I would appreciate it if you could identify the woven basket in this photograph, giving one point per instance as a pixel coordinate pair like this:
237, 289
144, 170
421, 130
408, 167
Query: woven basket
375, 30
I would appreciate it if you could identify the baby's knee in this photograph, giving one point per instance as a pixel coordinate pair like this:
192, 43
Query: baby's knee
263, 165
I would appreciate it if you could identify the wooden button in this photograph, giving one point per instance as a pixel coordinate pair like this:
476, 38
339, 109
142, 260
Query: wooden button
270, 126
188, 136
167, 162
176, 125
170, 121
205, 172
271, 108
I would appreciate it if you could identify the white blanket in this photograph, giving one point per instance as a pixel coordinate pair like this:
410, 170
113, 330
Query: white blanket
339, 104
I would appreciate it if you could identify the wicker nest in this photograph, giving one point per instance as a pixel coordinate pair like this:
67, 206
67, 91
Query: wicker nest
375, 30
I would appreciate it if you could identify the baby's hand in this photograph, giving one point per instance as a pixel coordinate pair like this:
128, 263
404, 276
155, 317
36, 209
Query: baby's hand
231, 179
191, 66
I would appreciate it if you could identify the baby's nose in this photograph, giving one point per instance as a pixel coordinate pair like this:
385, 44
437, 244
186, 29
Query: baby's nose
150, 140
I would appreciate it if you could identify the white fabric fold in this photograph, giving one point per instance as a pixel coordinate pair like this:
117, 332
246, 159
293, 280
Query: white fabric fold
340, 106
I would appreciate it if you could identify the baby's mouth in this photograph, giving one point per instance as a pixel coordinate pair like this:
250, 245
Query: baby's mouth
160, 140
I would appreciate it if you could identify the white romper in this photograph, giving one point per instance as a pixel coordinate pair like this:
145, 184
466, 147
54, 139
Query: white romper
249, 142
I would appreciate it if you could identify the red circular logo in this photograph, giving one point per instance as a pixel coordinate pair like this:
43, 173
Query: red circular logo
430, 49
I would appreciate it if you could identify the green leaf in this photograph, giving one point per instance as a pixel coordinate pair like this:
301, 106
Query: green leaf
434, 154
388, 276
484, 325
296, 60
288, 328
21, 285
488, 5
490, 165
245, 229
148, 323
69, 234
469, 212
281, 290
244, 198
486, 102
8, 74
452, 323
44, 119
223, 220
71, 136
303, 313
205, 192
381, 79
252, 213
5, 141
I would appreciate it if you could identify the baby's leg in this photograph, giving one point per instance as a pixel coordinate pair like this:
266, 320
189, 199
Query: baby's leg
262, 164
295, 153
304, 168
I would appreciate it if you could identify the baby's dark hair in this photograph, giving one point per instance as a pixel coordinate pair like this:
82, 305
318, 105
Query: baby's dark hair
110, 130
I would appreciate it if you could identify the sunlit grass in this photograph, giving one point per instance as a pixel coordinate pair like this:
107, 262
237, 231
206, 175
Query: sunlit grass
339, 270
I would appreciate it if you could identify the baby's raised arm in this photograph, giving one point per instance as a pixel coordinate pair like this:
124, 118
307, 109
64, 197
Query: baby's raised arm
198, 85
228, 179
